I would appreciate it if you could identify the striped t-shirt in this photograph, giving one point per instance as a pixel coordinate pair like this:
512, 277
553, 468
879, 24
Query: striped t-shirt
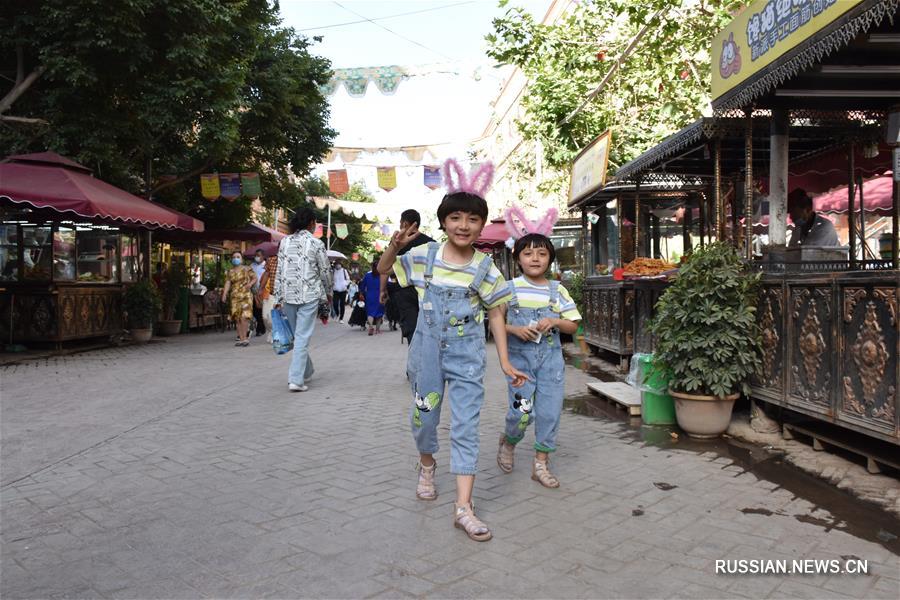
410, 270
530, 295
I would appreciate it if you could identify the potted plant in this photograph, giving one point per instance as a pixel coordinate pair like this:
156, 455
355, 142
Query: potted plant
708, 337
173, 282
141, 303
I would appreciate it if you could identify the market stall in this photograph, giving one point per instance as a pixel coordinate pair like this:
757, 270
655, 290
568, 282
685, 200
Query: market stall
804, 106
68, 243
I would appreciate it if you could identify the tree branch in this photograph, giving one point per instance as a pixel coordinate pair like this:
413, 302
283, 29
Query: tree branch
19, 89
28, 120
184, 177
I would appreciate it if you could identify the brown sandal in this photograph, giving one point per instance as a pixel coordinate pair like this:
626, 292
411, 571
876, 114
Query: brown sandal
541, 473
464, 518
506, 455
425, 489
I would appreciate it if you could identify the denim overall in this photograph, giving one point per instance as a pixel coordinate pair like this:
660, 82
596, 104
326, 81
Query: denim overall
541, 397
448, 348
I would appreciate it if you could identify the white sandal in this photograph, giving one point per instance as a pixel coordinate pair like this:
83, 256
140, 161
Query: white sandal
425, 488
464, 518
541, 473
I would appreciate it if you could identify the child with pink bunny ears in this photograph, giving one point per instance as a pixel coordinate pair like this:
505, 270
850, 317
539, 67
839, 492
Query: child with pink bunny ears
537, 312
456, 285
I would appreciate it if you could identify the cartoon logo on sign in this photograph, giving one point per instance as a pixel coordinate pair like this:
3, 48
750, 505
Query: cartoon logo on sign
731, 58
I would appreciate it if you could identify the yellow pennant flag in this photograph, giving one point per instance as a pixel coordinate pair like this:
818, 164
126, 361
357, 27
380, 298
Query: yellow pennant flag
209, 186
387, 178
366, 227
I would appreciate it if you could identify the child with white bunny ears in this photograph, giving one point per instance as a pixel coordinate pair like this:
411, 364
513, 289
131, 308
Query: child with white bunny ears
456, 284
537, 312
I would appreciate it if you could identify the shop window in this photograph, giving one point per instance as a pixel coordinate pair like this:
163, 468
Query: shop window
9, 253
98, 255
37, 252
131, 258
64, 254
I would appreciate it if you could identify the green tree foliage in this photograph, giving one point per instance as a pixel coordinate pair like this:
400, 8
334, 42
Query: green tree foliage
187, 86
663, 85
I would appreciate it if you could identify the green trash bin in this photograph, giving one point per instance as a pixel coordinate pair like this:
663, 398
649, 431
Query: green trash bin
657, 406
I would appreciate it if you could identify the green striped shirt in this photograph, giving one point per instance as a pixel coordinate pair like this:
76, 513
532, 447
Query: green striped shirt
530, 295
410, 270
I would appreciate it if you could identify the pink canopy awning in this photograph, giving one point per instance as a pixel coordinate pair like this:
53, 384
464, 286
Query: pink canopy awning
49, 181
876, 192
493, 235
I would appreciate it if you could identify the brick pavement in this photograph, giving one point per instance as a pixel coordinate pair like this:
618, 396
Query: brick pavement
185, 469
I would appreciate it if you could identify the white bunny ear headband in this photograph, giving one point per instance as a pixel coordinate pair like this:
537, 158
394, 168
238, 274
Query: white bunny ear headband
518, 225
478, 181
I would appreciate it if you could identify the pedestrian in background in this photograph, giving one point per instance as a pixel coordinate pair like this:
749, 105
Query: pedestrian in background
259, 268
267, 289
405, 298
302, 281
239, 281
370, 287
341, 282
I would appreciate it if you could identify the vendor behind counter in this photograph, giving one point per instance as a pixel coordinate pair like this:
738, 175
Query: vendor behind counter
810, 228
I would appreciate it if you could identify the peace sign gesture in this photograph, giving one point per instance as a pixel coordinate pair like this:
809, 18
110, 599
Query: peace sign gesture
405, 236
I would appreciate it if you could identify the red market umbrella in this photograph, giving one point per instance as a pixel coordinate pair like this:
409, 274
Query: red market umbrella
47, 180
268, 248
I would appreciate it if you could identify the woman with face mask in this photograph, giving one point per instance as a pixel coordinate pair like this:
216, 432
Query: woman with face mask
239, 282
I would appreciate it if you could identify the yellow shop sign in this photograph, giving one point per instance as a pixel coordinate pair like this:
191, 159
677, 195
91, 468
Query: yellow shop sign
763, 32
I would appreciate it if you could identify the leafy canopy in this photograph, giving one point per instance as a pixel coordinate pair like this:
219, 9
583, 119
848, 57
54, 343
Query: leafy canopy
186, 86
662, 87
708, 335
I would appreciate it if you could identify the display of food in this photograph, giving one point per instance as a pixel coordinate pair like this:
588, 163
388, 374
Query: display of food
647, 267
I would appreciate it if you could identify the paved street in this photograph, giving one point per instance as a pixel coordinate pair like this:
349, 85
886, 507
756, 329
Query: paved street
185, 469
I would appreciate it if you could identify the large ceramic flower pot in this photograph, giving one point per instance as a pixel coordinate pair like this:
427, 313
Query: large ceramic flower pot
703, 416
141, 336
167, 327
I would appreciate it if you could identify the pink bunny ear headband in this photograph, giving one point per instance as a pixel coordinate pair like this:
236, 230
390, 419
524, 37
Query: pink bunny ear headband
518, 225
478, 182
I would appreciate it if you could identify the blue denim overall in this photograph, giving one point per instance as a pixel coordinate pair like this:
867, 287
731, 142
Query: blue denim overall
541, 397
448, 349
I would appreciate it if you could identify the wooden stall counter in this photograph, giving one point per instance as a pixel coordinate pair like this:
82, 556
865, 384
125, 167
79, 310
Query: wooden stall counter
830, 347
609, 322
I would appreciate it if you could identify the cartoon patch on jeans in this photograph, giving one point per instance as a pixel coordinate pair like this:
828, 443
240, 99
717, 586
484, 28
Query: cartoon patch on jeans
524, 405
426, 404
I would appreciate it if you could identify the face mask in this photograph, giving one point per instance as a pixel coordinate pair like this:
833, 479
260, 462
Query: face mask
236, 261
259, 259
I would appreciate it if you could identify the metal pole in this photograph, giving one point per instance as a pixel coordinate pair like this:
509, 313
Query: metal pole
851, 205
719, 215
619, 219
637, 218
862, 218
894, 215
748, 185
328, 231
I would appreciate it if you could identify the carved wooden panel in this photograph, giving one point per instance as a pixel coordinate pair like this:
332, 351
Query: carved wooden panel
770, 379
868, 370
811, 347
626, 335
71, 312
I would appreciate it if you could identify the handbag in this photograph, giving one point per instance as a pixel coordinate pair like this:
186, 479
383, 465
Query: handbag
282, 333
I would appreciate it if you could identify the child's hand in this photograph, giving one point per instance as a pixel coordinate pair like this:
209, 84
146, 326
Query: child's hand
518, 377
544, 325
405, 236
524, 333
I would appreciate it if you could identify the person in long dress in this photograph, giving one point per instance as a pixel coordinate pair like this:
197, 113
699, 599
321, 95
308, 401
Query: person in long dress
370, 286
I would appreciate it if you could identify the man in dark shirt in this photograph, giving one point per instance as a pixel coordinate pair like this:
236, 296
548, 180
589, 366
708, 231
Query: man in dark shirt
405, 299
